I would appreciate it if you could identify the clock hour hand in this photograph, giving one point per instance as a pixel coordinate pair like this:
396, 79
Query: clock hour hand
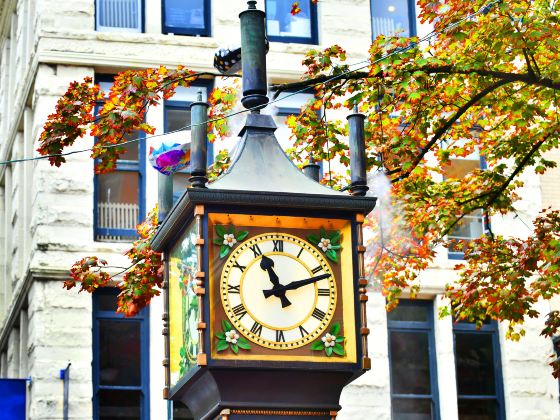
294, 285
267, 265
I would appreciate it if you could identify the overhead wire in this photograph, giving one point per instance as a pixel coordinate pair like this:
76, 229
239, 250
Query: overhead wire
484, 9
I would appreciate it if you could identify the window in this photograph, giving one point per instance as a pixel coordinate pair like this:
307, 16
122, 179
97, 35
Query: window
556, 347
478, 371
473, 225
120, 361
186, 17
412, 361
390, 17
177, 115
119, 196
118, 15
282, 26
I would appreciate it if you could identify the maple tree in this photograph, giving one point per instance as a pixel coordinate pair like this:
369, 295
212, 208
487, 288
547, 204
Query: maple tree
487, 82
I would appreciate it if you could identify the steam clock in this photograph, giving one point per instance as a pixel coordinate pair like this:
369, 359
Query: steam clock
265, 289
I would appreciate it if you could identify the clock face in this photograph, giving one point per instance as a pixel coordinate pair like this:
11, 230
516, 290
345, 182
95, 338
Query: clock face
278, 291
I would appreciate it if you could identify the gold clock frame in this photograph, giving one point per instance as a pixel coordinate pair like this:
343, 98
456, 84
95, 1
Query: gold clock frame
345, 293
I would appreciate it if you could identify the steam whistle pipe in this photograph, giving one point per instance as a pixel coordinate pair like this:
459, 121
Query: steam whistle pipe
253, 57
312, 169
199, 142
358, 162
165, 195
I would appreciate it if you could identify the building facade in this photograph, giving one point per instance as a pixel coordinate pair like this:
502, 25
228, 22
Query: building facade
423, 367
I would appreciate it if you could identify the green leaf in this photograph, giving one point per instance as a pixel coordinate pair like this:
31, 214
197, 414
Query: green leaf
324, 233
335, 237
460, 36
336, 246
314, 239
317, 345
222, 345
331, 255
338, 349
220, 230
241, 235
335, 328
219, 241
182, 352
226, 326
221, 335
329, 350
231, 230
339, 339
224, 250
234, 348
243, 343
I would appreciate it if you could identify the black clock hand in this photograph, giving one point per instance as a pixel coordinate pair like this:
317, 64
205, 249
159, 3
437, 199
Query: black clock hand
294, 285
267, 264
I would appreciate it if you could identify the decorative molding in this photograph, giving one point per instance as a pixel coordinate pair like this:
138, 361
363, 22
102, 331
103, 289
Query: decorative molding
200, 280
362, 290
165, 318
276, 412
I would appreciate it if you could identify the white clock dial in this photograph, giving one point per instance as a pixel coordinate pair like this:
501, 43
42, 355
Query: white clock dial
278, 291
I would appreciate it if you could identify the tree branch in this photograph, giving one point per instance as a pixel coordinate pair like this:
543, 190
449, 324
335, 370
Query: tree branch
440, 132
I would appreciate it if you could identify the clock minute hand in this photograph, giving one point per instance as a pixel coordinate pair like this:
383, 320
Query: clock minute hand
267, 264
294, 285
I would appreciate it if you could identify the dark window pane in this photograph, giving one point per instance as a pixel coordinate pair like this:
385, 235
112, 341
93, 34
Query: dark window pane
410, 362
119, 405
280, 22
389, 17
184, 14
411, 409
477, 409
106, 301
131, 149
118, 187
119, 352
475, 364
413, 312
177, 118
180, 182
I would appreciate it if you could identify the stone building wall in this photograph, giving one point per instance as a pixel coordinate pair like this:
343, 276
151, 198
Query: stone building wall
46, 213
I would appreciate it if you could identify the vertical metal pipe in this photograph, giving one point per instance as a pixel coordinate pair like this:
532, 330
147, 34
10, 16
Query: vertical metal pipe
199, 141
253, 56
165, 195
312, 169
358, 162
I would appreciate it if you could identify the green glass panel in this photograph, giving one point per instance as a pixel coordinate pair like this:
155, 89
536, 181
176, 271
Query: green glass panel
183, 305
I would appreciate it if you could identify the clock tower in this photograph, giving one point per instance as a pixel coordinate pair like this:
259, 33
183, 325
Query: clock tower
265, 290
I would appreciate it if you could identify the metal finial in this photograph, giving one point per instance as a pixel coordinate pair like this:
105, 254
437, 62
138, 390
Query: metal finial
199, 96
252, 4
358, 159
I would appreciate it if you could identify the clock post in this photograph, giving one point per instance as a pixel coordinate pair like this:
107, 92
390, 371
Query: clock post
265, 289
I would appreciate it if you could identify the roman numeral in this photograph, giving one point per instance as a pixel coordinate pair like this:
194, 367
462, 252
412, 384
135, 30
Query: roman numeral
240, 311
317, 269
321, 292
278, 245
256, 329
280, 336
299, 253
303, 331
319, 314
256, 250
233, 289
241, 267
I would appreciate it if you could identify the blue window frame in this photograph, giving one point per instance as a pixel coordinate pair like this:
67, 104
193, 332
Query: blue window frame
119, 196
186, 17
176, 115
119, 15
412, 358
390, 17
120, 361
282, 26
478, 370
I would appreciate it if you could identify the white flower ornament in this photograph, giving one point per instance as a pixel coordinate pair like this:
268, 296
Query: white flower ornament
232, 336
229, 239
325, 244
329, 340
